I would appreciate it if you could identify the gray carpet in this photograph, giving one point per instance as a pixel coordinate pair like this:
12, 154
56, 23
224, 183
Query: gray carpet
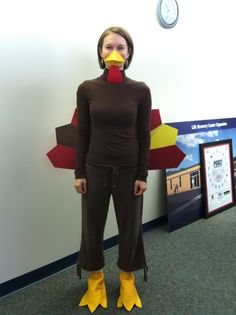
192, 271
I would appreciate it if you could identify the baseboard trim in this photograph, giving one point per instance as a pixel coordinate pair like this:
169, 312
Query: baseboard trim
34, 276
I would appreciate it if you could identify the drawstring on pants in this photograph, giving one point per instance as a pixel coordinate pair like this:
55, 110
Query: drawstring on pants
113, 172
105, 180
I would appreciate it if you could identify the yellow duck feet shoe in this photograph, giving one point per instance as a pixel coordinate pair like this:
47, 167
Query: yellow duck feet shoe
128, 293
96, 293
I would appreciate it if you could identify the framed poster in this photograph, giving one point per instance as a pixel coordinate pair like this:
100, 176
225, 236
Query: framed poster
217, 176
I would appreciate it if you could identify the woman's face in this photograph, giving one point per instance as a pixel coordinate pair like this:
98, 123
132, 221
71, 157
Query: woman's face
115, 42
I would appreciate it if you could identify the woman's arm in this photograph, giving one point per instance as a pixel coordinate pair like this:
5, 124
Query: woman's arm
143, 126
83, 131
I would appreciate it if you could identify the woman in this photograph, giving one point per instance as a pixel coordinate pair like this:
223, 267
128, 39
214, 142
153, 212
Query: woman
113, 139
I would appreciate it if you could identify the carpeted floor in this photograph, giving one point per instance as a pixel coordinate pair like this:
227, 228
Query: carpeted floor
192, 271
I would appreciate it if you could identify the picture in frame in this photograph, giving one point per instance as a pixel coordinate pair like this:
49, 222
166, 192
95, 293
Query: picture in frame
217, 176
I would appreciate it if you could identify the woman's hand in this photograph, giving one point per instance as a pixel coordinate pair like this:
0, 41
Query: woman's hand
139, 187
80, 185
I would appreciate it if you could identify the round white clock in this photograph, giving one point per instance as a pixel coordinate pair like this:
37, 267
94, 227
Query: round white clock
168, 13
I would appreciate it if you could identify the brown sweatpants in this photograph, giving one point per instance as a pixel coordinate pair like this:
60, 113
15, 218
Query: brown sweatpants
102, 183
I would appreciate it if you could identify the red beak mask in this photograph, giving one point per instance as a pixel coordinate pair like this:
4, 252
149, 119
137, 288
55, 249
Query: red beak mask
114, 61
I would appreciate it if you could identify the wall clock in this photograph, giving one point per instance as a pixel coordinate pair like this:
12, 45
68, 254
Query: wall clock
168, 13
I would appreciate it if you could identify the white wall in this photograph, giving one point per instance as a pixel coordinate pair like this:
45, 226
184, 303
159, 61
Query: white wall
46, 49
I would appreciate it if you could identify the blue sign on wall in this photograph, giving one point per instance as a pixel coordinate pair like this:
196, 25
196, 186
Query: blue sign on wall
184, 189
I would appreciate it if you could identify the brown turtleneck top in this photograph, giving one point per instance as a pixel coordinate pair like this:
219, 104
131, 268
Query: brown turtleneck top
113, 125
